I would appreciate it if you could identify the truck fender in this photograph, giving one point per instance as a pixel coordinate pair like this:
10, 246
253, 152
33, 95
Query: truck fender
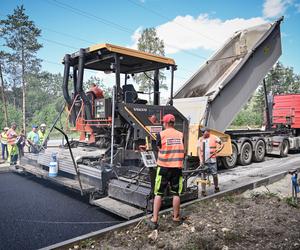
240, 142
279, 139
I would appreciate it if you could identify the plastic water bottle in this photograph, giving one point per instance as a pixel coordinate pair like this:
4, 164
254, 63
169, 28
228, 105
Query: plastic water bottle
53, 166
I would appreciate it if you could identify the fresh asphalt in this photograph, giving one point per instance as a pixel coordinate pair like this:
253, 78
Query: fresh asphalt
35, 213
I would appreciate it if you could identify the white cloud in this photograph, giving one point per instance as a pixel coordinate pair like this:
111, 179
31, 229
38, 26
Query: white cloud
275, 8
188, 32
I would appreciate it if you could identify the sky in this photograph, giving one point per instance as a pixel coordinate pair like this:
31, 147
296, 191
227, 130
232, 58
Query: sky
191, 29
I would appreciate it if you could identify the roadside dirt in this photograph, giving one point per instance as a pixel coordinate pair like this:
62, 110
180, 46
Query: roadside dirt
262, 221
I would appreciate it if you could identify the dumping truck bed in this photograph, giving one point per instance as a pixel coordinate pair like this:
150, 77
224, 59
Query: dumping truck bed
227, 80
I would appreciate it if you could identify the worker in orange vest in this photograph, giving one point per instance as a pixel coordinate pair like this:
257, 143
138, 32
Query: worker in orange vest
169, 168
11, 144
208, 146
98, 92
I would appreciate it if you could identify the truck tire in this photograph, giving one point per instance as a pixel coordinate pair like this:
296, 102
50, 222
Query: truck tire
230, 161
245, 156
284, 148
259, 151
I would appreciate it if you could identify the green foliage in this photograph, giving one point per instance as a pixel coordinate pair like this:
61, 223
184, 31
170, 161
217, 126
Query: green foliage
20, 36
46, 115
99, 82
280, 80
248, 116
14, 115
291, 202
149, 42
43, 90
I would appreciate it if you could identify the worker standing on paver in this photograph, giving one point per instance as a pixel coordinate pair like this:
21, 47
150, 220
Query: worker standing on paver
33, 139
4, 143
208, 146
12, 144
42, 135
169, 168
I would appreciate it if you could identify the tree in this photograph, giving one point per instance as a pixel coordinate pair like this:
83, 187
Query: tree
99, 82
43, 90
2, 85
15, 115
280, 80
150, 42
20, 35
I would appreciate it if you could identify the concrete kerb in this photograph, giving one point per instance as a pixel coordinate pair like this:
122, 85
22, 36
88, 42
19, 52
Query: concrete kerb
235, 190
5, 168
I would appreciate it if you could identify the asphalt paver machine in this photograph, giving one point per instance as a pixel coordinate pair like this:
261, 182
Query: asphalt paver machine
114, 159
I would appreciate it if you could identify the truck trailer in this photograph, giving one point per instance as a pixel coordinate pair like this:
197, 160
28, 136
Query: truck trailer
223, 85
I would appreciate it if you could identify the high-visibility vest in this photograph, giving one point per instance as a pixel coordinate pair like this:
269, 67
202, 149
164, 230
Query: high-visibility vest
171, 153
41, 136
3, 138
213, 140
11, 140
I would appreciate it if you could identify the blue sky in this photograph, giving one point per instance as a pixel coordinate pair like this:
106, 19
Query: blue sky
193, 29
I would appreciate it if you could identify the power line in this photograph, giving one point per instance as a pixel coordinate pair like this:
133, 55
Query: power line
72, 47
90, 16
168, 19
67, 35
103, 21
61, 33
58, 43
112, 24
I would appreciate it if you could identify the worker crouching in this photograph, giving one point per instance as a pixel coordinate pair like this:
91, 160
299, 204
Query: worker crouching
169, 168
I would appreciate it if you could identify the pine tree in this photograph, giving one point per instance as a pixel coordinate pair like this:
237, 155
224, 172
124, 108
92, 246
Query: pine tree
20, 35
149, 42
2, 85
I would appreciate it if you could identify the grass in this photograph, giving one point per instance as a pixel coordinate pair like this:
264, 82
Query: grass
88, 243
290, 201
268, 194
229, 198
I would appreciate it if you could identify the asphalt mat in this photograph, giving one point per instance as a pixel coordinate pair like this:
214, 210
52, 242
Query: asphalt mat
35, 213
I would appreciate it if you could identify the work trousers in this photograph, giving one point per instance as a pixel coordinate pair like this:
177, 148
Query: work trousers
12, 153
4, 151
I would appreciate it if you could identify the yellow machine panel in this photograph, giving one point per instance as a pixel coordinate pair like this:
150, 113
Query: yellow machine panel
194, 134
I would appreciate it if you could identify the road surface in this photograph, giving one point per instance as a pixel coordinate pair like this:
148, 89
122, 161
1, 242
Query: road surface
35, 214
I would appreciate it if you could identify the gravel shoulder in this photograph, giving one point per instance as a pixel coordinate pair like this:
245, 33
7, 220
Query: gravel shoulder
263, 218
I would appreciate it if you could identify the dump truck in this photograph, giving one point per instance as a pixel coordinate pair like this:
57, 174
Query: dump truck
223, 85
114, 159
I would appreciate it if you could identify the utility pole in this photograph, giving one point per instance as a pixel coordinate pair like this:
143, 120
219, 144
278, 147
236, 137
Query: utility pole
3, 97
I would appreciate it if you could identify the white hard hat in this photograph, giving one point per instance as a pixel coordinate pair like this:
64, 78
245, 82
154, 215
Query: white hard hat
43, 125
6, 128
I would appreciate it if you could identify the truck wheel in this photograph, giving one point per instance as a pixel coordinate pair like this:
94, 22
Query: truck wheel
260, 151
230, 161
246, 154
284, 149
